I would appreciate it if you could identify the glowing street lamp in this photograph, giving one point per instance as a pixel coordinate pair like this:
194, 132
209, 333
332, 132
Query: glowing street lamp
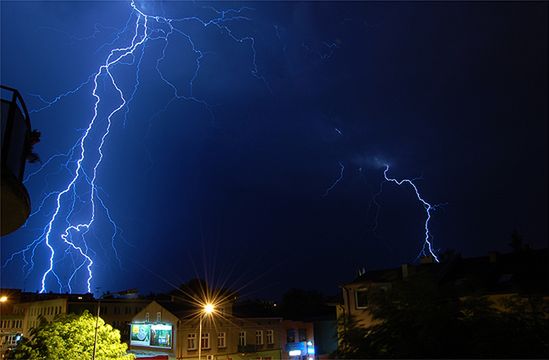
207, 309
3, 298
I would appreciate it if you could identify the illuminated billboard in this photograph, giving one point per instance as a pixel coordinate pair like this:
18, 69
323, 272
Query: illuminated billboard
161, 336
151, 335
140, 334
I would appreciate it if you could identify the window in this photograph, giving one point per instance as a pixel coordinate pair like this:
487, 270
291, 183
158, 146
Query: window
221, 340
242, 338
302, 333
290, 335
147, 317
270, 337
205, 341
259, 337
191, 342
159, 316
361, 298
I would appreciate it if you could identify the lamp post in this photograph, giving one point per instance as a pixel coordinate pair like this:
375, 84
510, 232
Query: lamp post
96, 326
206, 310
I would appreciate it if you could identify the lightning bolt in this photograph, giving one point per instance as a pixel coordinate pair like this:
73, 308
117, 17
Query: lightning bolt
427, 247
76, 205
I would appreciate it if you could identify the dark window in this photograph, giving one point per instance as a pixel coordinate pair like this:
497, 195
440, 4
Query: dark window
302, 335
290, 335
361, 298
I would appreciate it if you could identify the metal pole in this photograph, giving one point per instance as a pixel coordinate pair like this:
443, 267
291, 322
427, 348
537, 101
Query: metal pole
96, 326
200, 337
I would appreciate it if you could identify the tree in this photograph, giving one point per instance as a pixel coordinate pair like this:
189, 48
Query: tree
420, 318
70, 337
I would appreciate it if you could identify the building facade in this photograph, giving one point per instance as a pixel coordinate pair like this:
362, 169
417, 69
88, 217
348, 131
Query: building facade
496, 277
166, 330
20, 312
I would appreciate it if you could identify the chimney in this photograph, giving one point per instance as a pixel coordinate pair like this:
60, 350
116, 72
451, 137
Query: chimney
404, 268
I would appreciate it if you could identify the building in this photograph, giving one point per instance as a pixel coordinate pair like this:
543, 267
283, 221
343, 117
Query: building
11, 320
20, 312
522, 273
175, 330
299, 341
171, 329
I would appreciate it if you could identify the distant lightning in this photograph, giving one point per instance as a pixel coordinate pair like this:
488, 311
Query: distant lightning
342, 169
65, 232
427, 244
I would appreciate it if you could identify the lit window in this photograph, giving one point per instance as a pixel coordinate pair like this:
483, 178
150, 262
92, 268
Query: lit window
242, 338
191, 342
147, 317
361, 298
270, 337
159, 316
221, 340
259, 337
205, 341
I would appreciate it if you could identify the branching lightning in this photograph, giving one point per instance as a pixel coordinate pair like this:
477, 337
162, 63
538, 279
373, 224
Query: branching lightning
76, 205
72, 210
427, 248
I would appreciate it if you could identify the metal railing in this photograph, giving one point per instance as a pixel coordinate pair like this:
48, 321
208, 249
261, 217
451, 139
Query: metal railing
15, 135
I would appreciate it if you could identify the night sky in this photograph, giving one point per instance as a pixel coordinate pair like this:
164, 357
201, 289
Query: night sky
454, 94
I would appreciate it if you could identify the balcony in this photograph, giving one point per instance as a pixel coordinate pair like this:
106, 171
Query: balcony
16, 146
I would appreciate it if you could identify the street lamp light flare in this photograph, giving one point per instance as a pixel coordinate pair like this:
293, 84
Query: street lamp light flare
209, 308
3, 298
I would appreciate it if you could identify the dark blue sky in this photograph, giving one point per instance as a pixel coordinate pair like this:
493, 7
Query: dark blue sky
454, 93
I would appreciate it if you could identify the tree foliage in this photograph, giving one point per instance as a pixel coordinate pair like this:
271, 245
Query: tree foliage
71, 337
418, 319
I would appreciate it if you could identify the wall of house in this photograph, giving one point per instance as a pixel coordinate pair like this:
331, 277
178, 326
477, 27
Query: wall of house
155, 313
